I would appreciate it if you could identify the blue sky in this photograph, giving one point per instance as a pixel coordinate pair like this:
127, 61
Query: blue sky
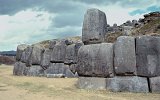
31, 21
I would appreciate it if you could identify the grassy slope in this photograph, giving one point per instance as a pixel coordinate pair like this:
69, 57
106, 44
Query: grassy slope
38, 88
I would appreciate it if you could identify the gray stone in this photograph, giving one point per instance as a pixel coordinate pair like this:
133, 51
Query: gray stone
26, 56
76, 75
148, 56
56, 68
127, 84
46, 58
69, 74
35, 70
59, 52
96, 60
36, 55
20, 49
52, 43
19, 68
94, 26
73, 67
125, 58
155, 84
71, 53
91, 83
55, 75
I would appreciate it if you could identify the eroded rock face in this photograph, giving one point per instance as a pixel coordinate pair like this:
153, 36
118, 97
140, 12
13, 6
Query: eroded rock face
59, 52
35, 70
36, 55
46, 58
72, 53
155, 84
94, 26
125, 58
127, 84
96, 60
19, 68
20, 49
148, 56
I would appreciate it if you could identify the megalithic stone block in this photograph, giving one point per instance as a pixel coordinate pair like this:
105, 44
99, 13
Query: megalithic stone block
20, 49
96, 60
125, 58
94, 26
148, 56
155, 84
46, 58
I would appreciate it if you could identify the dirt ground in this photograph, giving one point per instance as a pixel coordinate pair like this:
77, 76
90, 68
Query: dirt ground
40, 88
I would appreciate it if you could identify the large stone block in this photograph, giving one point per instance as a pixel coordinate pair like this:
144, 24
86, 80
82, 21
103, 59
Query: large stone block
35, 70
127, 84
19, 68
94, 26
72, 53
91, 83
26, 56
59, 52
96, 60
20, 49
36, 55
125, 58
56, 68
155, 84
46, 58
148, 56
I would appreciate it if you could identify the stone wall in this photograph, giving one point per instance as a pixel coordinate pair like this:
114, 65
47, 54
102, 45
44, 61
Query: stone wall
130, 64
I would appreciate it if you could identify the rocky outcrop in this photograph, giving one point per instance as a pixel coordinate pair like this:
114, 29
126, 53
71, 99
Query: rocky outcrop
96, 60
94, 26
20, 49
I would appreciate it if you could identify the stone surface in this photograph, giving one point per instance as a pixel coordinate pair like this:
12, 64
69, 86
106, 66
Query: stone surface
94, 26
127, 84
59, 52
19, 68
55, 75
71, 53
91, 83
36, 55
35, 70
73, 67
148, 56
155, 84
20, 49
26, 56
69, 74
46, 58
96, 60
125, 58
56, 68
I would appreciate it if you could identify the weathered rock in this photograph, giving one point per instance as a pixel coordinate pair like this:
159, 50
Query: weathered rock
56, 68
35, 70
69, 74
73, 67
20, 49
72, 53
19, 68
36, 55
26, 56
96, 60
155, 84
94, 26
55, 75
125, 58
46, 58
127, 84
91, 83
59, 52
148, 56
52, 43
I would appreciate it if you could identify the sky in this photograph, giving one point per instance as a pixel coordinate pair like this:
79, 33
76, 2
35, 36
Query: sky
32, 21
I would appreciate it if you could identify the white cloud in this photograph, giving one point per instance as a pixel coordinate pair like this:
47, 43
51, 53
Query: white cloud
23, 26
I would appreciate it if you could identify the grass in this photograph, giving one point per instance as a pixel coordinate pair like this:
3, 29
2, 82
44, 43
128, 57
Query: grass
32, 88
